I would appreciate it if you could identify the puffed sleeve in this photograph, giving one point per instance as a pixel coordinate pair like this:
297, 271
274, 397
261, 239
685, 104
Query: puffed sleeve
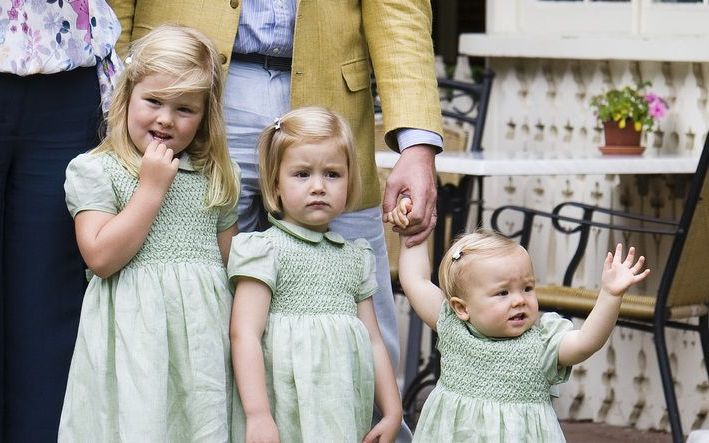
553, 328
368, 283
252, 255
227, 215
87, 187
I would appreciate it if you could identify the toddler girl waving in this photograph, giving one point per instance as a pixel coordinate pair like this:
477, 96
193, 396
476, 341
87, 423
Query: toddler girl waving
498, 359
153, 208
308, 356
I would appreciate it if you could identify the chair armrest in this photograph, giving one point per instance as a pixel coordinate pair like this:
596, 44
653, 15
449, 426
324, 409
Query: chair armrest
615, 213
583, 226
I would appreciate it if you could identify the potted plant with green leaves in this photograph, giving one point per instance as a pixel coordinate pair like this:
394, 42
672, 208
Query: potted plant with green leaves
625, 113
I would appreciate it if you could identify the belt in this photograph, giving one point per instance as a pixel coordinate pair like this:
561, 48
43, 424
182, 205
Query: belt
267, 61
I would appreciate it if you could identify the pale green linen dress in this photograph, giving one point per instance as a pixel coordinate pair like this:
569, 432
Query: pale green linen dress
494, 390
151, 361
317, 353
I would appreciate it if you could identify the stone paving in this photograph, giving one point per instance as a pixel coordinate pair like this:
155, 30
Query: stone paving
588, 432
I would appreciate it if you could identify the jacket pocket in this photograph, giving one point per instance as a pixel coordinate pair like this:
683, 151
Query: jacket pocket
356, 74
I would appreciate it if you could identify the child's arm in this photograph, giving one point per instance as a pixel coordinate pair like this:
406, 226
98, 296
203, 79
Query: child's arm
224, 241
386, 391
415, 271
108, 242
249, 314
617, 277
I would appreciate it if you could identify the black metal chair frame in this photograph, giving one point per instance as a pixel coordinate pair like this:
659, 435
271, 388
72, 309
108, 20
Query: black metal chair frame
677, 229
453, 202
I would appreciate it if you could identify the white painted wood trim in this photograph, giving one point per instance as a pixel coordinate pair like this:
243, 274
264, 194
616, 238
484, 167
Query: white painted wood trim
586, 47
489, 164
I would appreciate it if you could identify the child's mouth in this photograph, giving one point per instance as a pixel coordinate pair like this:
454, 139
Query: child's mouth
519, 317
161, 136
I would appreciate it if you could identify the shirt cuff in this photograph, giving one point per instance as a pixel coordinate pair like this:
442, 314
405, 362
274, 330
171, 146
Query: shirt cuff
407, 137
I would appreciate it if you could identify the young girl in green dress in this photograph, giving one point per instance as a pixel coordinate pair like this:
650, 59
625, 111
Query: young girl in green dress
498, 359
308, 356
153, 209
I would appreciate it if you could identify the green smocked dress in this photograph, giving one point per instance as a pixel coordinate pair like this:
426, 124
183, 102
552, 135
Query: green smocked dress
494, 390
151, 361
317, 353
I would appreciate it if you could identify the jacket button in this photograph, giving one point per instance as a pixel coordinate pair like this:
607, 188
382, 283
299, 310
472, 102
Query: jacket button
222, 58
234, 4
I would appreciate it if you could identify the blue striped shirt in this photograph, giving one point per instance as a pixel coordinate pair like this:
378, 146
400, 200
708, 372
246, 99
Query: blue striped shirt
266, 27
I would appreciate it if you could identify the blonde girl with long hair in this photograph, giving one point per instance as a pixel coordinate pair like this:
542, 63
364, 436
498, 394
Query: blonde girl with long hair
153, 206
308, 355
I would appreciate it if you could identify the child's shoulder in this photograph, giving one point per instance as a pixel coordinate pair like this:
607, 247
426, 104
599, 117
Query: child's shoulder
88, 160
253, 243
552, 324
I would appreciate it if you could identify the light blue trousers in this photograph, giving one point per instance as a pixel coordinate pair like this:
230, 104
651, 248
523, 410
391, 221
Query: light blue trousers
254, 98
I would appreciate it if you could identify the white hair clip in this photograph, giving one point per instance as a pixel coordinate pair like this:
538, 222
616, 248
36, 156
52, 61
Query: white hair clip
277, 123
456, 254
128, 60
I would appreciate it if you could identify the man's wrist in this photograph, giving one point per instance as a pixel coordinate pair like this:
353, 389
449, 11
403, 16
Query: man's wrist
429, 151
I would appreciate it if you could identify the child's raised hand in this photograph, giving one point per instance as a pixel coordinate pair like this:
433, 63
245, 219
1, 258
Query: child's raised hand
158, 166
618, 275
399, 215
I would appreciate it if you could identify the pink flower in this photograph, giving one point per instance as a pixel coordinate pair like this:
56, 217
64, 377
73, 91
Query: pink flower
657, 107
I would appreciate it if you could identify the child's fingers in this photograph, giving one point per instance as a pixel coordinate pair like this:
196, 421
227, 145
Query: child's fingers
630, 258
640, 277
405, 204
609, 260
638, 265
372, 436
168, 154
618, 253
400, 219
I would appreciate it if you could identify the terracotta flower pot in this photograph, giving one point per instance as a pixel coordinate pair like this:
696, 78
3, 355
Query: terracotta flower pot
621, 141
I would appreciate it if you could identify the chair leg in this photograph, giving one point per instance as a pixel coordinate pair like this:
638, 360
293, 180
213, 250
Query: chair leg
667, 384
704, 335
413, 349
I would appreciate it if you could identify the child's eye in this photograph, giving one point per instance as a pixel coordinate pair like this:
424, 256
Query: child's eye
503, 292
332, 174
301, 174
185, 110
152, 101
529, 289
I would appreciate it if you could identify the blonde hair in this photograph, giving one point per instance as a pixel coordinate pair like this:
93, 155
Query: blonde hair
191, 58
482, 243
304, 125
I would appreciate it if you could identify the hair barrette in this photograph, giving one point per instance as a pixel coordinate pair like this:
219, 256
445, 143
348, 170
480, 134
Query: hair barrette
456, 255
277, 123
128, 60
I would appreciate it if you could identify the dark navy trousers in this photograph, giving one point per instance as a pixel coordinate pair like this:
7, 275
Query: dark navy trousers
45, 121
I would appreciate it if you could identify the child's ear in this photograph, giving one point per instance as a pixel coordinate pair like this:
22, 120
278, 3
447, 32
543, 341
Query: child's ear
460, 308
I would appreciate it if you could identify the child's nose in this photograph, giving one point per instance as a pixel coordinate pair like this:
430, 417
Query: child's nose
165, 118
317, 184
518, 299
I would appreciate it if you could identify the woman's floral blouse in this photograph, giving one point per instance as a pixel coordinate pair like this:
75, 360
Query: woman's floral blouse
49, 36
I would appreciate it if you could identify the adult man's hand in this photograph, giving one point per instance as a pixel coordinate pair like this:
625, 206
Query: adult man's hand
414, 175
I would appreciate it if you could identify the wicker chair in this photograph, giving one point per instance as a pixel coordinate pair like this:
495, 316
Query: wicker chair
683, 292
